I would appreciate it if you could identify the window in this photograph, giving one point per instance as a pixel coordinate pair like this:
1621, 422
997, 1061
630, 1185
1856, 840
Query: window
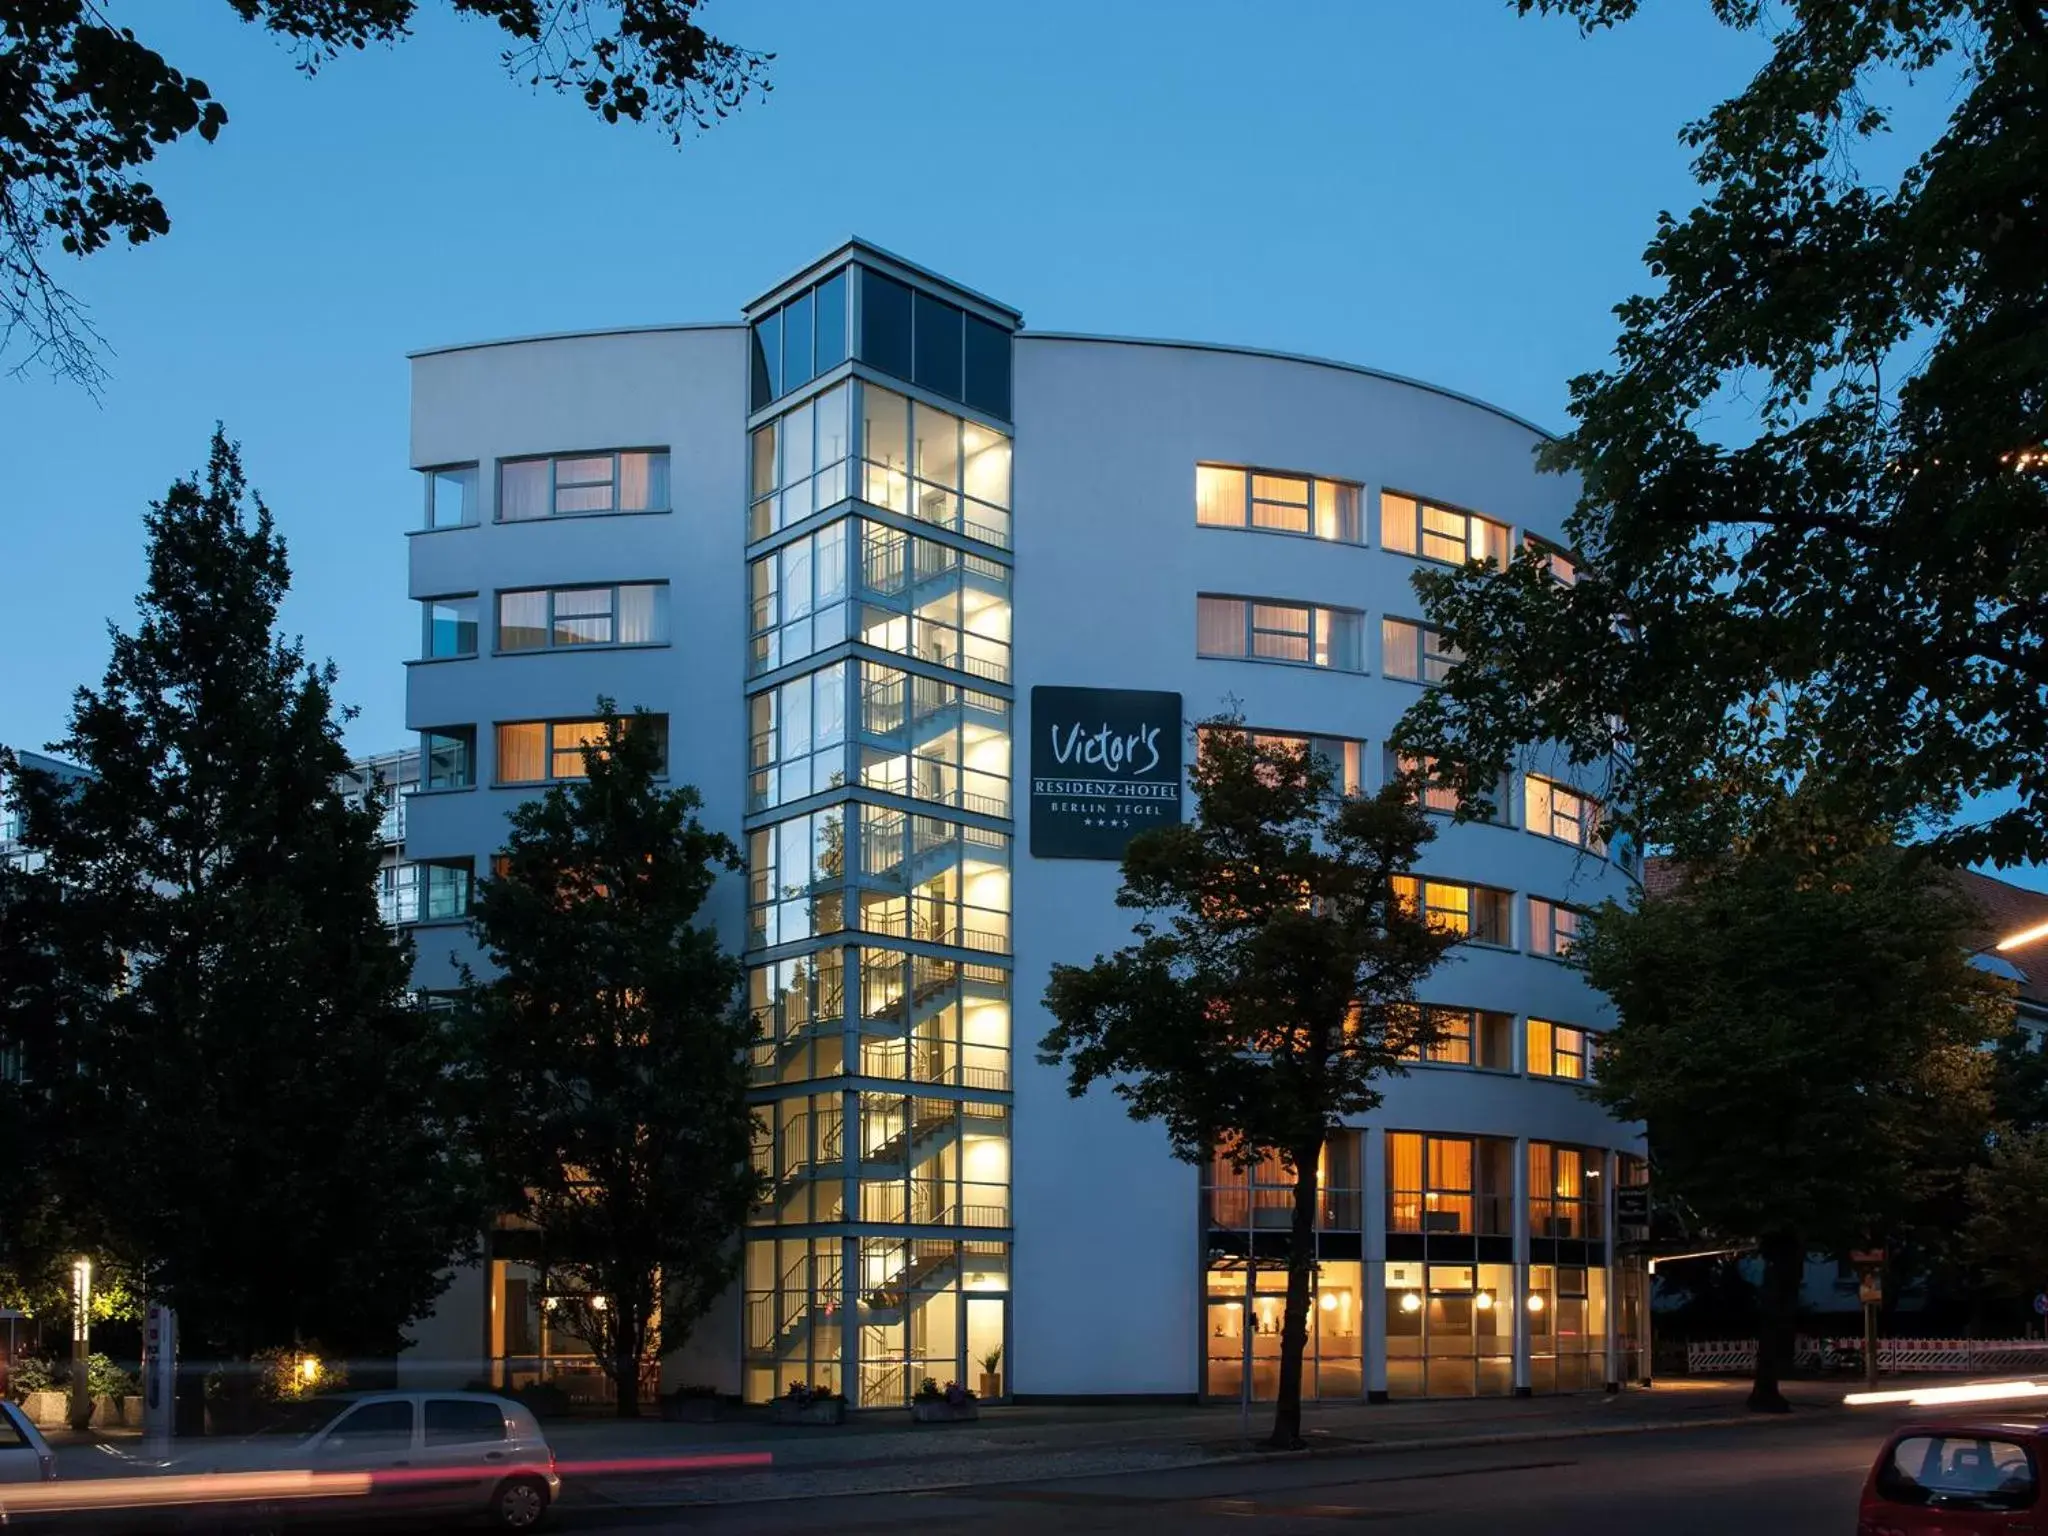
1477, 911
448, 757
1416, 653
1252, 629
1449, 1185
398, 893
799, 461
932, 465
1958, 1472
802, 339
463, 1421
796, 874
1559, 1050
1275, 502
1553, 928
932, 601
542, 751
1561, 566
1564, 1191
798, 738
451, 627
451, 496
373, 1424
1438, 796
1344, 756
799, 598
566, 617
444, 890
572, 485
1466, 1037
1552, 810
934, 741
935, 344
1413, 527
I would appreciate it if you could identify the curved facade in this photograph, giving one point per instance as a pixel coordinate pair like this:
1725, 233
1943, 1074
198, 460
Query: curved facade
835, 550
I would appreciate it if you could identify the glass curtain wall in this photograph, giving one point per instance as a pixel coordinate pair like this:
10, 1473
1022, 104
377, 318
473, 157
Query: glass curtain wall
879, 846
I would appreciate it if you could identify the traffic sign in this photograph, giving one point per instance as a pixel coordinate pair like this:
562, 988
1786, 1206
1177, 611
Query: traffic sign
2041, 1304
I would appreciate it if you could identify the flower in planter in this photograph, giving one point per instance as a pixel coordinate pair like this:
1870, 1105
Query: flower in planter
952, 1393
803, 1394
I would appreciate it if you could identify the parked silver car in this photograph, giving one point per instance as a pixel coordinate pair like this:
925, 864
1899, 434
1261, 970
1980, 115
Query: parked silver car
25, 1456
441, 1453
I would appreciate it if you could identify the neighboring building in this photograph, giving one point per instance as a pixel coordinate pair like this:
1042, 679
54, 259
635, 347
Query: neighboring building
883, 566
12, 852
392, 777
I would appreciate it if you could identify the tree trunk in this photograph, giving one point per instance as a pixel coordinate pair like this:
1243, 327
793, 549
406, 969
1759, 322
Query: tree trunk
627, 1328
1784, 1258
1301, 1261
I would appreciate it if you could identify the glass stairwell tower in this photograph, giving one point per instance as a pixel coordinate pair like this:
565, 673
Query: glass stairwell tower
880, 831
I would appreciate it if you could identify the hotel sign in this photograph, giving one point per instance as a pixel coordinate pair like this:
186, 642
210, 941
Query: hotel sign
1105, 766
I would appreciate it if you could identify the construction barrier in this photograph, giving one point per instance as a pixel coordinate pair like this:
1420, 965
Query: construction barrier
1732, 1357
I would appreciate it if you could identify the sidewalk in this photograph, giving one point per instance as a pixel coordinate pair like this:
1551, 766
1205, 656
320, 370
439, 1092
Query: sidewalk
882, 1452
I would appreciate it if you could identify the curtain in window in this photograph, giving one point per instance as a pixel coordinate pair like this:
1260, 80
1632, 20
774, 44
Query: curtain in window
1540, 1047
1337, 643
1280, 631
1336, 511
583, 616
522, 753
1397, 522
522, 490
1219, 626
570, 738
1402, 643
1219, 496
1489, 542
1536, 804
522, 621
640, 615
1404, 1180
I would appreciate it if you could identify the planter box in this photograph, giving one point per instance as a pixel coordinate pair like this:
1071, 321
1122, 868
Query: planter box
48, 1410
786, 1412
943, 1412
991, 1386
693, 1410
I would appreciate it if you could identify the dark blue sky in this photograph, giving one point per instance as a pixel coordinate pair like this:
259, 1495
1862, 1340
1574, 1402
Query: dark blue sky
1433, 187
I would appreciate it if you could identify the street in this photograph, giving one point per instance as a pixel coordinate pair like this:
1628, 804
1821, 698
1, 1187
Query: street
1797, 1476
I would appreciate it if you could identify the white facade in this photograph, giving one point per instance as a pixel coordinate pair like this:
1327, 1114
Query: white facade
1093, 1243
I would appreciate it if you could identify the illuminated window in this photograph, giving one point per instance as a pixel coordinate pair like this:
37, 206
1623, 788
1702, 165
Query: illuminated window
1466, 1037
1438, 796
572, 485
1449, 1185
566, 617
1416, 653
1553, 810
1564, 1192
1561, 566
1553, 928
1559, 1050
1479, 912
1276, 502
1344, 756
544, 751
1255, 629
1414, 527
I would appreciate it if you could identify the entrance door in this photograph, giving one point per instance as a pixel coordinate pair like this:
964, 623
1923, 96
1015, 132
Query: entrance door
988, 1358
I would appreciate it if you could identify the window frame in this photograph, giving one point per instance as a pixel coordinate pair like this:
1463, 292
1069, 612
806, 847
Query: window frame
1592, 812
1251, 474
550, 749
1549, 929
1425, 656
465, 735
1473, 889
430, 476
1554, 1050
1340, 752
499, 648
554, 460
424, 889
1425, 505
427, 606
1316, 614
1550, 555
1472, 1036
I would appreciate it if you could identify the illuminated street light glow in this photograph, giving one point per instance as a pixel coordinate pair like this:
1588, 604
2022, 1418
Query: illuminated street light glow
1936, 1397
2024, 936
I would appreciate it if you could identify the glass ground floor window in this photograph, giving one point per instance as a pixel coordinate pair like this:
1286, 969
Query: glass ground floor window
1450, 1329
1246, 1303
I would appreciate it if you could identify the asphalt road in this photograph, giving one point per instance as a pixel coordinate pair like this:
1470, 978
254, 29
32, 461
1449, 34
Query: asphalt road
1778, 1477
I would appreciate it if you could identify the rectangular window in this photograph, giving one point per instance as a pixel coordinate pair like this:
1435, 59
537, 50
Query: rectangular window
799, 602
1253, 629
451, 496
1411, 526
1479, 912
1441, 797
1416, 653
800, 462
568, 617
932, 465
448, 757
1343, 755
451, 627
798, 745
1553, 928
445, 890
1227, 497
1453, 1186
580, 484
1559, 1050
1466, 1037
1553, 810
1563, 568
885, 323
1564, 1192
545, 751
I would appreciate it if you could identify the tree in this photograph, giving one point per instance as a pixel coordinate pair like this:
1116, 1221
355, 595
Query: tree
1814, 492
2006, 1233
241, 1098
1272, 985
611, 1052
1802, 1030
85, 104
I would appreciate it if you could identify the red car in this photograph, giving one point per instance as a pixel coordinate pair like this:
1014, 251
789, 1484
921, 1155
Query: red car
1957, 1478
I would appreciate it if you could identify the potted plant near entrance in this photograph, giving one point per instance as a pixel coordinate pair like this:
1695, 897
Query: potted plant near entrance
992, 1373
807, 1404
950, 1404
